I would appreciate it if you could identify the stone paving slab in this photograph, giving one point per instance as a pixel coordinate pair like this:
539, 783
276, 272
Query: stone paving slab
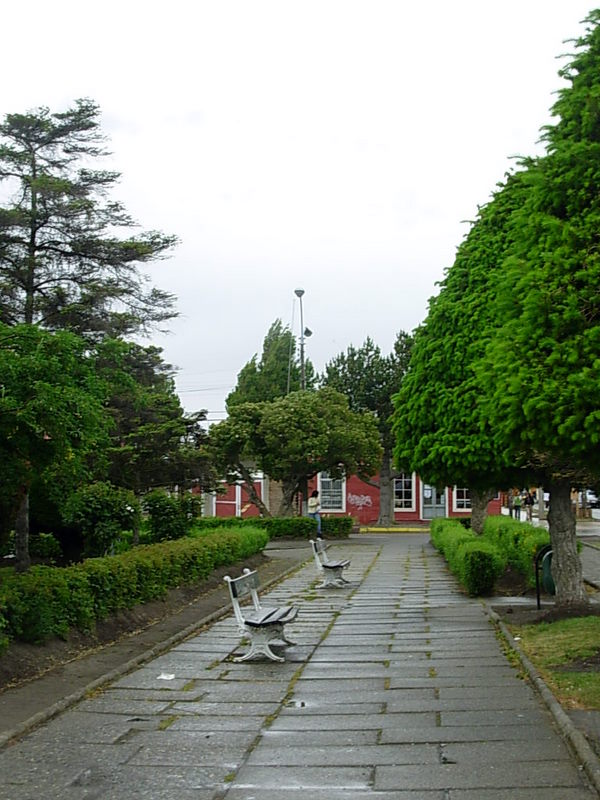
397, 689
343, 755
506, 751
524, 733
531, 793
476, 775
331, 793
307, 778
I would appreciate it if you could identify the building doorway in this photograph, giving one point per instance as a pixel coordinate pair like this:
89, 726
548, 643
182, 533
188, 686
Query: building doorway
433, 502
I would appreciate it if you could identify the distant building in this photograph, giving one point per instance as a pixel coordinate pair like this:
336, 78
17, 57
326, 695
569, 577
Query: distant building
414, 501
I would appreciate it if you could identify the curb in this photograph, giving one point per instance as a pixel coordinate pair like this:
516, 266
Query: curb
588, 758
7, 737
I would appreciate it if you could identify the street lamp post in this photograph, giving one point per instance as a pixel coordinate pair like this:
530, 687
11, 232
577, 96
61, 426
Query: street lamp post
303, 332
299, 293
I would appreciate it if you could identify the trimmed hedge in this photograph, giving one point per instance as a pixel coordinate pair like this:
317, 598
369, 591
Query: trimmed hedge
474, 561
48, 601
518, 541
339, 527
279, 527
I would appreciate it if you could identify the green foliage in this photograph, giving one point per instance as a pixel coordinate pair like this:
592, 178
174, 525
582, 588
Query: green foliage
275, 375
170, 516
293, 438
368, 379
63, 264
481, 565
4, 639
52, 420
518, 541
280, 527
310, 432
209, 524
152, 442
336, 527
292, 527
541, 371
45, 546
49, 601
101, 511
441, 421
45, 602
475, 562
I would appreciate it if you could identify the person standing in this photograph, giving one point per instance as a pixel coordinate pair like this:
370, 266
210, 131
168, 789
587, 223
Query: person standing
517, 505
528, 503
314, 508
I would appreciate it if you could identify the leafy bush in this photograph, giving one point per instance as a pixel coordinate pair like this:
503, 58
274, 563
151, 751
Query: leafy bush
44, 545
518, 541
279, 527
337, 526
48, 601
170, 516
292, 527
211, 523
475, 562
4, 640
481, 565
101, 512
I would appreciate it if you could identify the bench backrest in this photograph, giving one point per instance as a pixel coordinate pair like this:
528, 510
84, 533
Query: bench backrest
319, 552
247, 584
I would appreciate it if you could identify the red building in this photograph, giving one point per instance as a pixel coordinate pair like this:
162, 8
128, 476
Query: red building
414, 501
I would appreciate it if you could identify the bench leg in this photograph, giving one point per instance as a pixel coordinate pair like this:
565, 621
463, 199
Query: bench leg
260, 642
334, 578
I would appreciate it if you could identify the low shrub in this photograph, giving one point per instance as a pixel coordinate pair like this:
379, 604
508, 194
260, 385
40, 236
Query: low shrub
101, 511
337, 527
279, 527
204, 524
168, 518
48, 601
290, 527
44, 545
481, 564
518, 541
474, 561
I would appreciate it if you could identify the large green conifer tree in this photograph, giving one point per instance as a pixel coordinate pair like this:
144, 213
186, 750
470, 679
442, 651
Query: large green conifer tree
62, 261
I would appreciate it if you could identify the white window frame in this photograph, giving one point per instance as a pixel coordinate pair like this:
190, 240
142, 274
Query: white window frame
413, 487
332, 510
464, 509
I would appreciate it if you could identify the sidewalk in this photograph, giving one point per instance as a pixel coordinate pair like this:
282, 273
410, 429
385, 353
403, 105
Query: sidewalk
398, 689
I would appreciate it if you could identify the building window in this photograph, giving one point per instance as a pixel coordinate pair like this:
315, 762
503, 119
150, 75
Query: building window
462, 499
332, 493
404, 492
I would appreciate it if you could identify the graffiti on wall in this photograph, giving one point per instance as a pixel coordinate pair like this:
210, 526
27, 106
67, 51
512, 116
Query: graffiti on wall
360, 501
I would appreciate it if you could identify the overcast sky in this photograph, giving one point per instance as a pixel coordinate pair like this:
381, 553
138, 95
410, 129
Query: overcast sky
339, 146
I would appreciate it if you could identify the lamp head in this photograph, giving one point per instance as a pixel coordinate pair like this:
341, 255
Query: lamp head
307, 332
298, 292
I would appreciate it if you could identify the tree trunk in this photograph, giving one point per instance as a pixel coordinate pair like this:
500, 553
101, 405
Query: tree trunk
386, 495
253, 495
289, 491
566, 565
23, 561
479, 504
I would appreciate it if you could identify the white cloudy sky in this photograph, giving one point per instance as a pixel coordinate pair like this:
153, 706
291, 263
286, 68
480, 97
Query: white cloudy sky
333, 145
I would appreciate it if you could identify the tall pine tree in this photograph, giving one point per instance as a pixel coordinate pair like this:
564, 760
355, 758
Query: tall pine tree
62, 262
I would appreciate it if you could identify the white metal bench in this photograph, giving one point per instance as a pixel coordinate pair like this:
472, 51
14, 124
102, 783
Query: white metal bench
262, 625
330, 570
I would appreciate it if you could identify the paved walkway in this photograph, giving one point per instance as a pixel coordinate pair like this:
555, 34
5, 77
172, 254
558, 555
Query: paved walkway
398, 689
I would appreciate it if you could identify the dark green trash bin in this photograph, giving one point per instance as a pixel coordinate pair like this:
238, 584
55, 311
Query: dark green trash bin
547, 579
